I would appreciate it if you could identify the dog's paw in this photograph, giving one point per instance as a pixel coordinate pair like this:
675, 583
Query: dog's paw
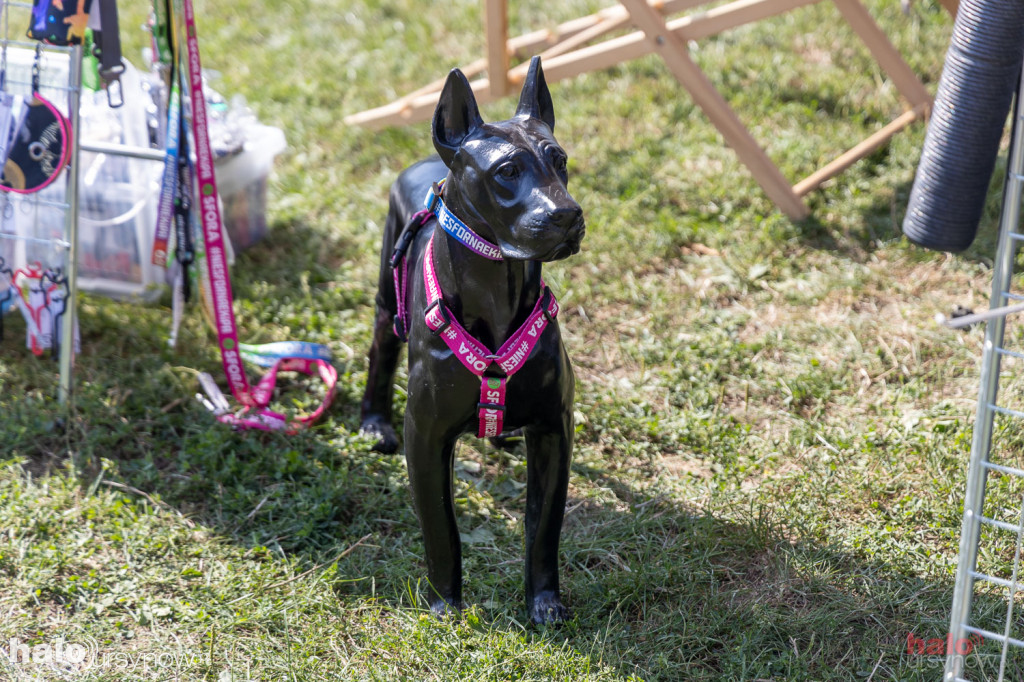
444, 609
382, 433
547, 609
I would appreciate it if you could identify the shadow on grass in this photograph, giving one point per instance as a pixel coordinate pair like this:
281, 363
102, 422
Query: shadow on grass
659, 589
721, 598
883, 222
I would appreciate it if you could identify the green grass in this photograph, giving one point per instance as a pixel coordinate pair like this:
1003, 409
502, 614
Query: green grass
772, 431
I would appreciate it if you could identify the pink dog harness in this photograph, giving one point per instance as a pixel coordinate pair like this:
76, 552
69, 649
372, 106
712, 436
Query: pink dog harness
471, 352
510, 358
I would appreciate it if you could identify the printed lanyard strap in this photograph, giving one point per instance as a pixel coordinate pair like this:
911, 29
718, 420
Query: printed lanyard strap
510, 358
258, 415
169, 180
269, 354
209, 211
255, 413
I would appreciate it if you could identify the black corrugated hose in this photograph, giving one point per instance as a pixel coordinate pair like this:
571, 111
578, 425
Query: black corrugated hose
981, 73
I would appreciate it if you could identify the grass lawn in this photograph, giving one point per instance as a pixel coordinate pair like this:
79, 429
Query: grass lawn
772, 430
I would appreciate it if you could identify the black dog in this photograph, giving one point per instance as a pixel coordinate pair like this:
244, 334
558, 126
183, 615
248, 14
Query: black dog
469, 285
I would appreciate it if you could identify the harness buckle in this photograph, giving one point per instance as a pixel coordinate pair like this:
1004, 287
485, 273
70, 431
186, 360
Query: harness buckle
444, 316
400, 248
417, 221
490, 406
435, 196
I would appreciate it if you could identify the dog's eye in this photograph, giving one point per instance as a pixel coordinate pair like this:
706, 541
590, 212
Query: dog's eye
508, 171
559, 163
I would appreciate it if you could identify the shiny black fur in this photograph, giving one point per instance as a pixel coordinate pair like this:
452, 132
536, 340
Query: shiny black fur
506, 181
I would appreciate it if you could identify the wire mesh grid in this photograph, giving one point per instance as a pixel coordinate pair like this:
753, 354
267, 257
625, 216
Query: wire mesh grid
42, 227
33, 227
986, 636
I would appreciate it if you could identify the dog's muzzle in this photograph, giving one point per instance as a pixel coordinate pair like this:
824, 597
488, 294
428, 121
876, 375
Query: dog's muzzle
571, 244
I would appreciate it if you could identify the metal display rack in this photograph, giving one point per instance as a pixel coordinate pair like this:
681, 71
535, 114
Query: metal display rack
22, 236
986, 634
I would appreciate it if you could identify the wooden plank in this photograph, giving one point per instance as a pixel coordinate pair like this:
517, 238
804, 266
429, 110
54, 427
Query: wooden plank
583, 37
887, 56
634, 45
415, 111
496, 30
952, 6
673, 50
857, 152
419, 104
529, 44
471, 70
601, 56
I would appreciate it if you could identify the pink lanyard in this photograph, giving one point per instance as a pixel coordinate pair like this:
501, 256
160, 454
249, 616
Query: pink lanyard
510, 358
258, 415
254, 413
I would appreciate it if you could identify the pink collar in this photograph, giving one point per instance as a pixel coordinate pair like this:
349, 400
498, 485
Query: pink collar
509, 359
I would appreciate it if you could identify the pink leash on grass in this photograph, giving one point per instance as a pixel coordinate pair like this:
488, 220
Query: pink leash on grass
255, 413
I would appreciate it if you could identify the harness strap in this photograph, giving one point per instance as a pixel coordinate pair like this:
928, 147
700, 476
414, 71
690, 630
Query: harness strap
400, 270
474, 356
491, 408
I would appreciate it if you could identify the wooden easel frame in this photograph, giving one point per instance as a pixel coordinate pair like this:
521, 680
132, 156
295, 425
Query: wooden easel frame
567, 52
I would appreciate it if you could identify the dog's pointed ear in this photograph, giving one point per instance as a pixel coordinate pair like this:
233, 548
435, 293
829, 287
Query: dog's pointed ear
535, 99
456, 116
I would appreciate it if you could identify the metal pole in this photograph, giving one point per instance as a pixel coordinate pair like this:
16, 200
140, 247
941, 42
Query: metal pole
67, 343
963, 591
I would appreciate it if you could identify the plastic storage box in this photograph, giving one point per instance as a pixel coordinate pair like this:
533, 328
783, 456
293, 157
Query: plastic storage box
119, 195
242, 183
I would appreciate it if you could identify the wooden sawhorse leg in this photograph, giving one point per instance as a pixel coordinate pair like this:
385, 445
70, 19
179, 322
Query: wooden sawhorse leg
567, 53
673, 50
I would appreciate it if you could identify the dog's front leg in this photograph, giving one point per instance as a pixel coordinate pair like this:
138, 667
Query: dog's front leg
548, 454
375, 408
429, 455
377, 398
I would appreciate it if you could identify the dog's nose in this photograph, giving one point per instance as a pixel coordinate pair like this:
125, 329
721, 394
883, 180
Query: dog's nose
566, 217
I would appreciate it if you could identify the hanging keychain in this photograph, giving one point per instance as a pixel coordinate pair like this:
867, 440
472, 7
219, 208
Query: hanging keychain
56, 304
32, 303
41, 145
107, 49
